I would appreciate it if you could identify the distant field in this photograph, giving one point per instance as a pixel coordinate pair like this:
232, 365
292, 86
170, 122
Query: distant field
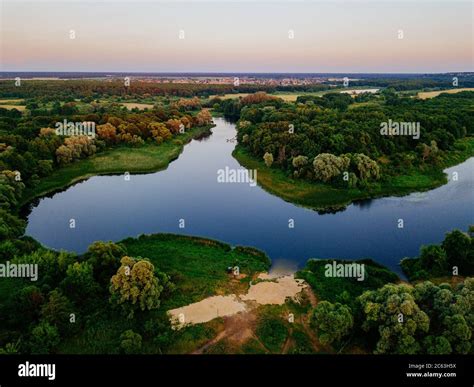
229, 96
141, 106
11, 101
12, 104
432, 94
10, 107
292, 96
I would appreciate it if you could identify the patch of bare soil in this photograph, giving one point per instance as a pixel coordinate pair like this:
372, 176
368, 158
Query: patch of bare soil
240, 311
274, 291
206, 310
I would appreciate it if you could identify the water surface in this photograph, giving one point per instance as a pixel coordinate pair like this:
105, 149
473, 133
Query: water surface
111, 208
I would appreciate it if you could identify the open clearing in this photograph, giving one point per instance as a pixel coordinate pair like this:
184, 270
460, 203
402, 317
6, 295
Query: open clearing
11, 107
269, 291
206, 310
12, 104
141, 106
274, 292
11, 101
292, 96
432, 94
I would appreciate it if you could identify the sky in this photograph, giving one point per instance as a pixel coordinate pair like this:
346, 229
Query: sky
237, 36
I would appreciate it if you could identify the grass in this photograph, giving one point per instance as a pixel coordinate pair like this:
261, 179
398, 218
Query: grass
341, 289
432, 94
291, 96
20, 108
320, 196
141, 106
197, 266
145, 159
272, 330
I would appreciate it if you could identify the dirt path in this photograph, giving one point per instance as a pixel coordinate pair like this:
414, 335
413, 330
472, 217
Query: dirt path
238, 329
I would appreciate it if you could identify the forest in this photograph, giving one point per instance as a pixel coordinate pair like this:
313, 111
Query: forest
89, 303
336, 140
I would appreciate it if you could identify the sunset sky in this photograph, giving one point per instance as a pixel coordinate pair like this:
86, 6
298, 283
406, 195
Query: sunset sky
244, 36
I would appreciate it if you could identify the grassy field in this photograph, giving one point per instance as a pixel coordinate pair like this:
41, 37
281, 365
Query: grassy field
432, 94
144, 159
198, 266
11, 107
323, 197
141, 106
12, 104
290, 96
332, 288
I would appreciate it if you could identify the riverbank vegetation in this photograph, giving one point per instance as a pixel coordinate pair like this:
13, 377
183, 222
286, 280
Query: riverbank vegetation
454, 256
384, 315
321, 153
37, 156
83, 304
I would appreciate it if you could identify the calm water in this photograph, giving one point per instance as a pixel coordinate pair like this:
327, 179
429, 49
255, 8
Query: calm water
111, 208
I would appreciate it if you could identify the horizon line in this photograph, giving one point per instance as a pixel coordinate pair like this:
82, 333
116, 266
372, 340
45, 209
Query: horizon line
230, 72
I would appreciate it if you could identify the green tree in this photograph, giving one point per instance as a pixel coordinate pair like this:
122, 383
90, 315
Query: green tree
130, 342
105, 260
368, 168
433, 258
79, 284
332, 321
43, 338
459, 249
437, 345
392, 313
57, 311
327, 166
136, 287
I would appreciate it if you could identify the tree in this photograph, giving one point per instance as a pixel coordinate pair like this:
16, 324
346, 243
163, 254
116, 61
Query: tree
57, 310
433, 258
368, 168
108, 133
159, 131
79, 284
326, 166
332, 321
43, 339
136, 287
131, 342
105, 260
299, 161
268, 158
64, 155
459, 249
203, 118
437, 345
458, 332
27, 304
392, 313
10, 225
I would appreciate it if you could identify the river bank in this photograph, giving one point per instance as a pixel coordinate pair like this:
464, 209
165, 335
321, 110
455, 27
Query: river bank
323, 197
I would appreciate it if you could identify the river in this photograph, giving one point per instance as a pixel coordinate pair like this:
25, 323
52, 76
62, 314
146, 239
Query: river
112, 208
